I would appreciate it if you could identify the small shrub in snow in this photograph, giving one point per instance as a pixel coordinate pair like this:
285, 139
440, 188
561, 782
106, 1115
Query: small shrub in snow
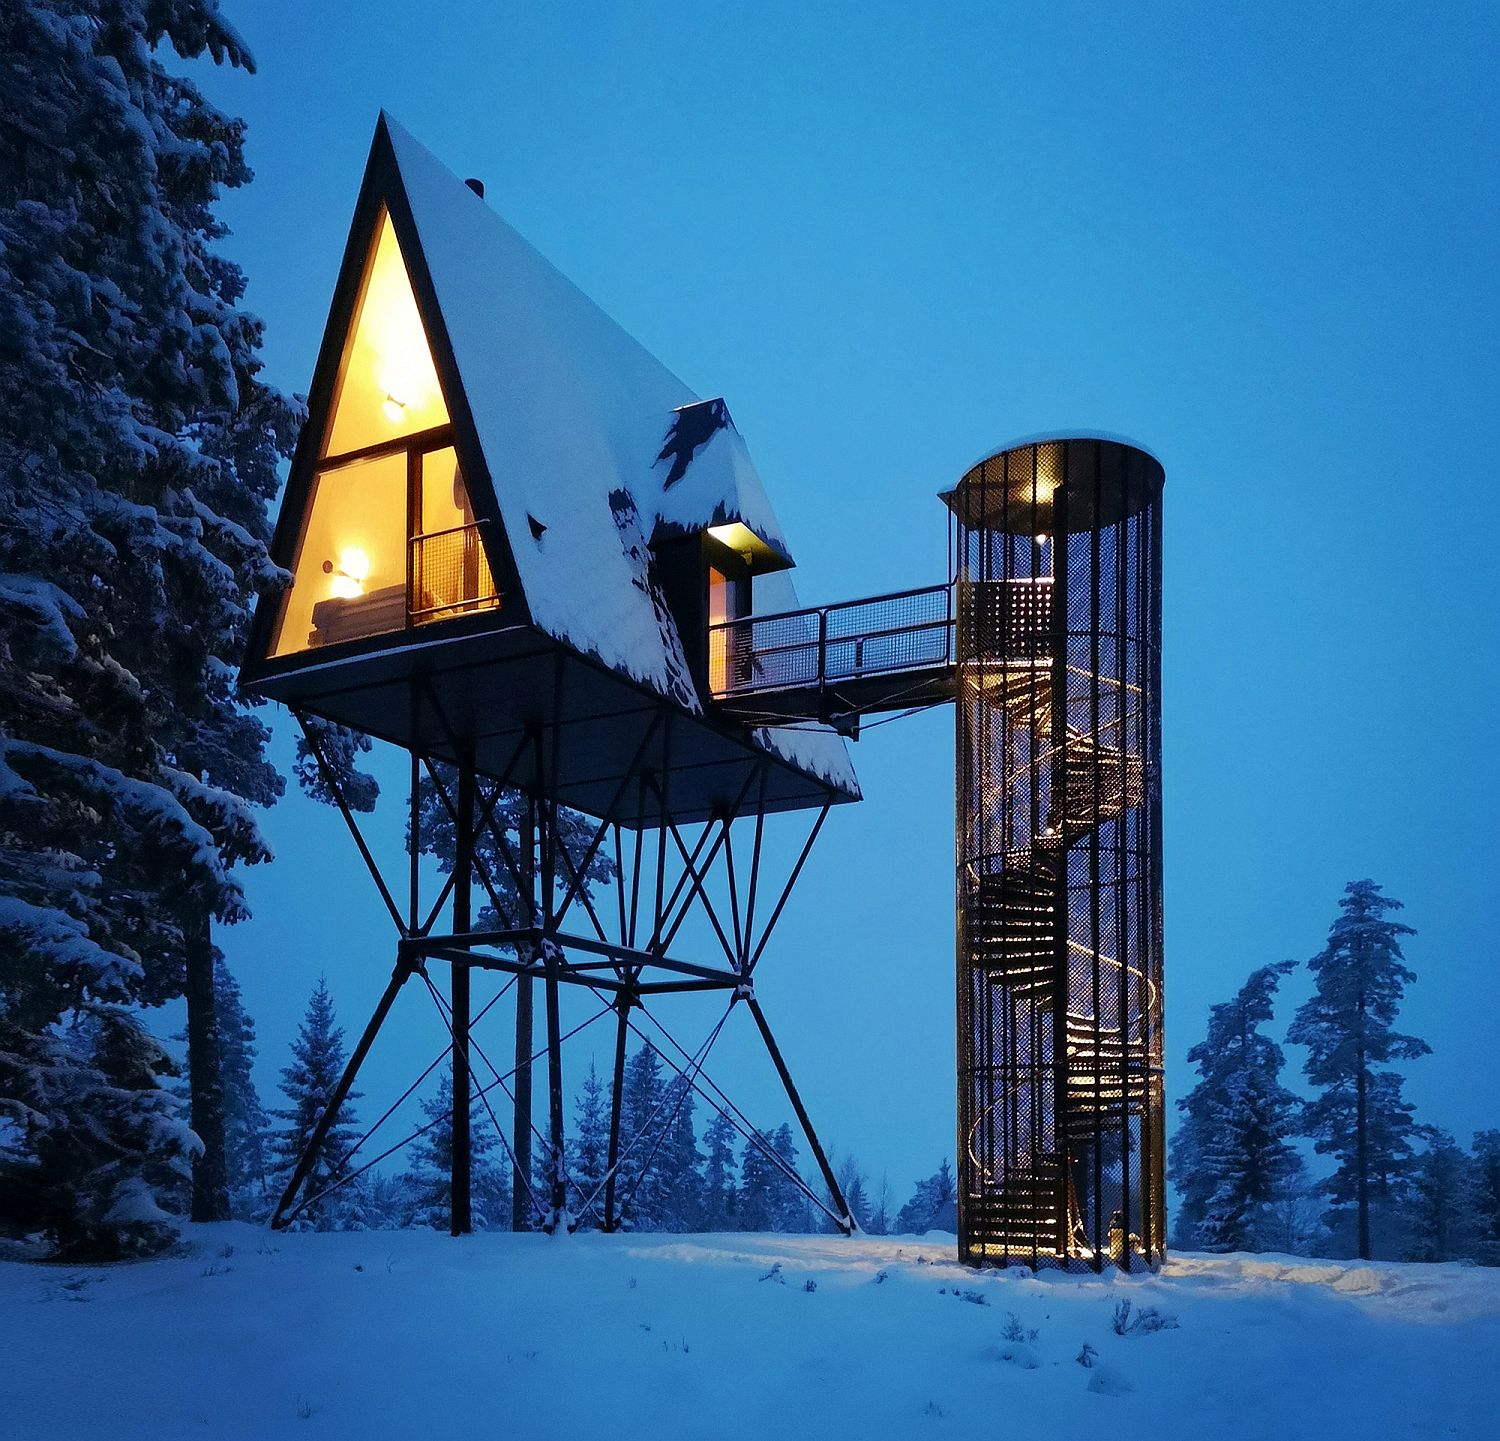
1013, 1330
304, 1408
1087, 1356
933, 1409
774, 1274
809, 1285
216, 1270
881, 1277
1140, 1321
974, 1298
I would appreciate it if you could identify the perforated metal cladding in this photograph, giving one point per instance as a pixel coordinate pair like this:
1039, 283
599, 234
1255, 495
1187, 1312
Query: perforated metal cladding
1058, 805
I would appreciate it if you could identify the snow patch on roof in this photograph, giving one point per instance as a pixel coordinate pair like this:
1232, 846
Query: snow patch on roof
571, 411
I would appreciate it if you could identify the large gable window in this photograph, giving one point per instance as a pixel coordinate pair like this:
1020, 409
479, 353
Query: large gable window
389, 538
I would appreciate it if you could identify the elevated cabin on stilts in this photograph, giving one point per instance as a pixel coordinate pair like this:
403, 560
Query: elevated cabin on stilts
511, 532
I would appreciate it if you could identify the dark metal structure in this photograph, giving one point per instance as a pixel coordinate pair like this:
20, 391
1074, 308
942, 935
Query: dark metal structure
552, 933
1059, 855
1047, 638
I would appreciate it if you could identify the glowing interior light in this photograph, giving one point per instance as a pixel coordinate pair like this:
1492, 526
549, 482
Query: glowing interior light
350, 574
395, 410
1041, 540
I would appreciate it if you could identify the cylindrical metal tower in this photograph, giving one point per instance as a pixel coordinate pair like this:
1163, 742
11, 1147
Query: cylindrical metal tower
1058, 576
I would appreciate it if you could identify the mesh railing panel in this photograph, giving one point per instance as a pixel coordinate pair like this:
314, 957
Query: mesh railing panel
450, 575
882, 636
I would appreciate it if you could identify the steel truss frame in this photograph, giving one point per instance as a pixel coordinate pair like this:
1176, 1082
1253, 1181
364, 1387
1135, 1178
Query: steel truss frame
624, 957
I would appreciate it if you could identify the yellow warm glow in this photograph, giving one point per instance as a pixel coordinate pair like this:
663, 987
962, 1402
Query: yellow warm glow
389, 386
736, 535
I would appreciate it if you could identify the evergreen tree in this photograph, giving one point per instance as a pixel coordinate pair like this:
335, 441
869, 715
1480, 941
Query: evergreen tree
1440, 1214
681, 1162
246, 1125
99, 1176
1293, 1223
138, 447
879, 1223
851, 1181
933, 1206
1232, 1159
589, 1150
439, 838
788, 1200
720, 1189
759, 1188
1359, 1117
1486, 1192
308, 1084
644, 1110
428, 1183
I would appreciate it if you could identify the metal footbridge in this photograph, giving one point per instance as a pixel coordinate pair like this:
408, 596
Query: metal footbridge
836, 663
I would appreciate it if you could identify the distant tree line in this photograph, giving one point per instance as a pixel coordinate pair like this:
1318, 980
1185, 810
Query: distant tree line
1397, 1188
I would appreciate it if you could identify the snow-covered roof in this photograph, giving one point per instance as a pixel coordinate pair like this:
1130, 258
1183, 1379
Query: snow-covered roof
575, 419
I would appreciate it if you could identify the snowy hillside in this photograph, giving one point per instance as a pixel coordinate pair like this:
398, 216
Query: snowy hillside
409, 1334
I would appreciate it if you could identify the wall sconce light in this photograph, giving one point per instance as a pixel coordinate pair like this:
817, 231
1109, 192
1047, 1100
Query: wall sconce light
350, 574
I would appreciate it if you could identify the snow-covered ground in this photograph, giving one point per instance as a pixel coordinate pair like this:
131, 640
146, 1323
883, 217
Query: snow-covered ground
413, 1335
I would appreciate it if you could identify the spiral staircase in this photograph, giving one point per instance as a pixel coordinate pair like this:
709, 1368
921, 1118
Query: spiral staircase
819, 664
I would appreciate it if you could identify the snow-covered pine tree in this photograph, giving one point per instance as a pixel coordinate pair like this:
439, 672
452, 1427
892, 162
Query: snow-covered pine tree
851, 1180
1360, 1117
759, 1177
246, 1126
1486, 1162
588, 1150
681, 1162
428, 1182
1232, 1158
643, 1113
879, 1223
1441, 1214
137, 449
788, 1203
439, 838
933, 1206
308, 1084
720, 1188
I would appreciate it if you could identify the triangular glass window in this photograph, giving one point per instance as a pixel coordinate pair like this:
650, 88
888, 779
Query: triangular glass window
388, 538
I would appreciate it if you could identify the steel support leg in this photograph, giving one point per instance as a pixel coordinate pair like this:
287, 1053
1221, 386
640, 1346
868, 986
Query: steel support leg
460, 1204
520, 1215
616, 1095
340, 1093
847, 1225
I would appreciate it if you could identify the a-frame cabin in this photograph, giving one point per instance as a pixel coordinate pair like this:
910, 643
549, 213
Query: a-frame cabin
505, 517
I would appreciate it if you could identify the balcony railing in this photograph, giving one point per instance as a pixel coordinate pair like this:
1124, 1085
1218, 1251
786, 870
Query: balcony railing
447, 574
450, 575
907, 630
885, 635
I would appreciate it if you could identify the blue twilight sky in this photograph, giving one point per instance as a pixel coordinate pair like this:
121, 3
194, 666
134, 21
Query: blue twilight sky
1259, 239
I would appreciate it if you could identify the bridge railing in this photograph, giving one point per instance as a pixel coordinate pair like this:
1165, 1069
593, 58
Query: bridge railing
827, 644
